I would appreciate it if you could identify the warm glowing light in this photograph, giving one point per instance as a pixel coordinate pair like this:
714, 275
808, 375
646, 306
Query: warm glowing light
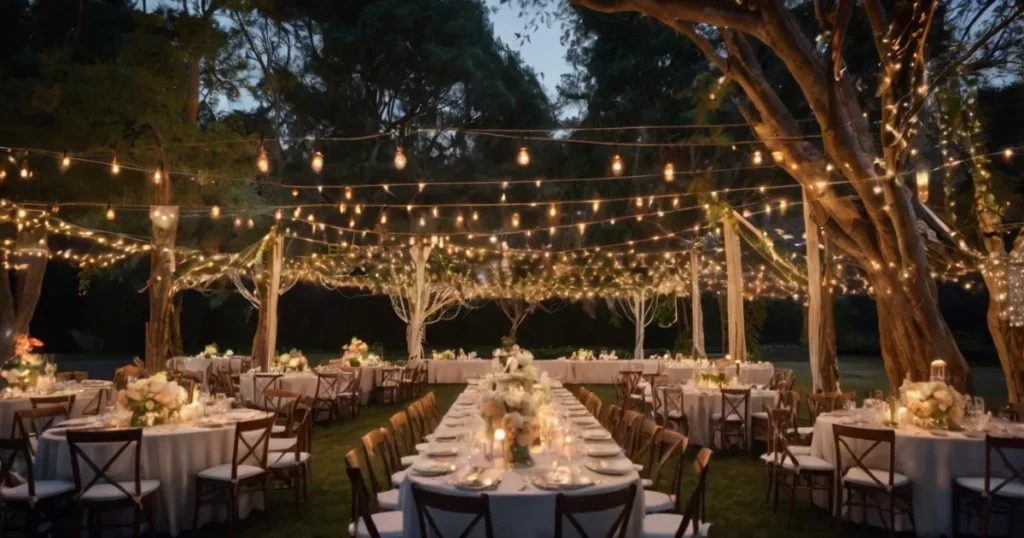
348, 193
400, 160
238, 222
515, 220
523, 157
423, 222
24, 171
383, 218
617, 165
342, 208
110, 212
434, 211
1007, 153
670, 172
476, 216
639, 202
317, 164
65, 162
459, 219
757, 158
553, 211
158, 177
597, 205
115, 168
278, 215
778, 156
262, 162
922, 185
215, 212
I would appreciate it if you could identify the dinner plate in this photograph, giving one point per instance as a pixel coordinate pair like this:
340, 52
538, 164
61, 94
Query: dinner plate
578, 412
420, 447
603, 450
610, 467
447, 449
596, 435
425, 467
446, 434
478, 479
552, 481
82, 421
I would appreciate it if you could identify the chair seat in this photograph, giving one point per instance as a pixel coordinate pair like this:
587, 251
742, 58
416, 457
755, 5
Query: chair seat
667, 525
282, 444
284, 460
108, 492
389, 525
1014, 489
408, 460
388, 500
799, 450
805, 430
278, 429
44, 489
675, 415
656, 501
733, 417
398, 478
646, 482
807, 463
858, 476
759, 415
223, 472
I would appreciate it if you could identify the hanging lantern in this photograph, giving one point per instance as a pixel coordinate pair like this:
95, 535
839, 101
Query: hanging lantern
262, 162
922, 184
110, 212
317, 164
617, 164
523, 157
400, 160
670, 172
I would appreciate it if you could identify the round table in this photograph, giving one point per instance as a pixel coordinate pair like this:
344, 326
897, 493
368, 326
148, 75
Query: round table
700, 404
931, 462
519, 508
84, 394
304, 383
199, 364
172, 454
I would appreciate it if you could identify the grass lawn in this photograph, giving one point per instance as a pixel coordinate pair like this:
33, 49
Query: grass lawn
736, 490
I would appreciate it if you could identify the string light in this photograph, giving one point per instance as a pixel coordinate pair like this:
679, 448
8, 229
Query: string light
238, 222
476, 216
278, 214
778, 156
515, 220
3, 174
383, 217
757, 159
400, 160
1008, 153
115, 168
348, 193
553, 211
459, 219
317, 164
215, 212
262, 162
617, 165
158, 175
110, 212
24, 170
669, 172
65, 162
922, 185
523, 157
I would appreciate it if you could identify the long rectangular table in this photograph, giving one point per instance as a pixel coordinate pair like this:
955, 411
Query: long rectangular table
586, 372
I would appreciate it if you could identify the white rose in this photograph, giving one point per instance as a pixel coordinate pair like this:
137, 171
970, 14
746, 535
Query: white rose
513, 399
157, 385
229, 353
294, 363
512, 364
150, 405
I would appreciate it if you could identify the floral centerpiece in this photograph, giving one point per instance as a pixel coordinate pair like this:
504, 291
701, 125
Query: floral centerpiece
932, 404
24, 368
357, 354
293, 361
582, 355
446, 355
211, 352
711, 380
608, 356
510, 399
152, 400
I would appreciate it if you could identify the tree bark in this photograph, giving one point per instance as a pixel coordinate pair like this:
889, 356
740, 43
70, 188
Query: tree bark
161, 290
268, 290
20, 295
828, 360
177, 348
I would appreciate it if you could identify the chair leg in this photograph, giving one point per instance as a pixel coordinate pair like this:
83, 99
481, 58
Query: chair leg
136, 522
195, 509
986, 511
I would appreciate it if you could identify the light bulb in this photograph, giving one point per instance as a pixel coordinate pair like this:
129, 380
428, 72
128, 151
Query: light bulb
597, 205
158, 177
639, 202
423, 222
24, 171
670, 172
249, 223
348, 193
922, 185
523, 157
433, 211
3, 174
400, 160
515, 220
459, 219
552, 211
1007, 153
778, 156
757, 159
278, 215
476, 216
238, 222
215, 212
262, 162
317, 164
115, 169
110, 212
383, 218
295, 193
65, 162
617, 165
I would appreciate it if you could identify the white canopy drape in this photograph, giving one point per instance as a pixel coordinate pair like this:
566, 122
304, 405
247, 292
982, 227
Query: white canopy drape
734, 298
697, 314
813, 295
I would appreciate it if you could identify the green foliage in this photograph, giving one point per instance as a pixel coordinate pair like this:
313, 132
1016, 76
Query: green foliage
754, 314
665, 314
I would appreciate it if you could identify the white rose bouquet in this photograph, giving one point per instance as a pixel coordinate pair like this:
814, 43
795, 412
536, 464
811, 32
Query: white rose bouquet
152, 400
608, 356
293, 361
24, 368
582, 355
357, 353
446, 355
932, 404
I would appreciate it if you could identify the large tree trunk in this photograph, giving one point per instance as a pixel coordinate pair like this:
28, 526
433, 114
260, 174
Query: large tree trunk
18, 298
268, 290
828, 361
161, 287
177, 347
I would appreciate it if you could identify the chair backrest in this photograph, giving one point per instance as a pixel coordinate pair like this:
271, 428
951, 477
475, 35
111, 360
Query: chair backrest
693, 512
176, 365
403, 435
261, 382
568, 506
780, 421
123, 440
17, 451
328, 385
818, 403
360, 497
625, 433
94, 406
282, 403
735, 401
475, 505
67, 401
126, 373
673, 445
1011, 474
843, 434
34, 422
375, 449
252, 437
648, 446
672, 399
220, 381
416, 426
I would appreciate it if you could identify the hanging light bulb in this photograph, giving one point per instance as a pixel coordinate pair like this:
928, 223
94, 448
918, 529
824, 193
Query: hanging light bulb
215, 212
115, 169
639, 202
110, 212
553, 211
400, 160
670, 172
778, 156
3, 174
249, 223
757, 159
922, 185
24, 173
596, 204
423, 222
158, 175
359, 209
278, 215
515, 220
383, 217
617, 165
295, 193
459, 219
317, 164
238, 222
262, 162
342, 208
348, 193
476, 216
65, 162
523, 157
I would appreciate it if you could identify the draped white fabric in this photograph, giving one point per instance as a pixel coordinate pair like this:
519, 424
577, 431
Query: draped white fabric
276, 257
813, 295
697, 316
734, 283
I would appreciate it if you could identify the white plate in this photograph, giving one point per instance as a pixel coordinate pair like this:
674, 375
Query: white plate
603, 450
426, 467
447, 433
447, 449
83, 421
596, 435
543, 481
612, 467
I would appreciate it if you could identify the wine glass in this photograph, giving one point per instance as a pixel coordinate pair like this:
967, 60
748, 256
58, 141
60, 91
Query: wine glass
979, 405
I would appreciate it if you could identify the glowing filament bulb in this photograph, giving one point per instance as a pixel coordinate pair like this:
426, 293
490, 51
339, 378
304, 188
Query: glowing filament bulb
922, 185
262, 162
65, 162
115, 168
582, 227
24, 170
317, 164
423, 222
675, 202
1007, 153
757, 159
348, 193
277, 215
433, 211
295, 193
215, 212
670, 172
617, 165
476, 216
459, 219
639, 202
359, 209
110, 212
400, 160
158, 177
523, 157
778, 156
515, 220
342, 208
383, 218
238, 222
249, 223
503, 198
553, 211
596, 205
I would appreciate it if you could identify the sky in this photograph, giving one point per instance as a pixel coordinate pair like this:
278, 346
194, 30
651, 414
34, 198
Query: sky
544, 52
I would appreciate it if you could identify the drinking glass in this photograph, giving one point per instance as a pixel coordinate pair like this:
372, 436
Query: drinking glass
878, 395
979, 404
849, 405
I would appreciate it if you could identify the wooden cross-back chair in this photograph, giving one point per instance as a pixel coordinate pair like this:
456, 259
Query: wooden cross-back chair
671, 401
869, 483
126, 373
37, 500
325, 398
351, 396
403, 433
30, 424
104, 492
625, 432
630, 386
673, 445
648, 449
262, 382
689, 520
477, 506
65, 400
567, 507
795, 471
730, 421
282, 404
387, 390
1000, 491
364, 522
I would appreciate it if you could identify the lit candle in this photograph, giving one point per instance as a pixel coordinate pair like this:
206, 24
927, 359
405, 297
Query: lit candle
499, 453
938, 370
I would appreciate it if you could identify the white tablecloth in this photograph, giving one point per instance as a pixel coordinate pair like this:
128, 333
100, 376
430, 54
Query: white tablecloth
195, 364
84, 395
699, 405
305, 383
932, 463
173, 455
462, 371
529, 512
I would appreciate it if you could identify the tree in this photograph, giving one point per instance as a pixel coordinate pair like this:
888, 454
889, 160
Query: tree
517, 310
877, 229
